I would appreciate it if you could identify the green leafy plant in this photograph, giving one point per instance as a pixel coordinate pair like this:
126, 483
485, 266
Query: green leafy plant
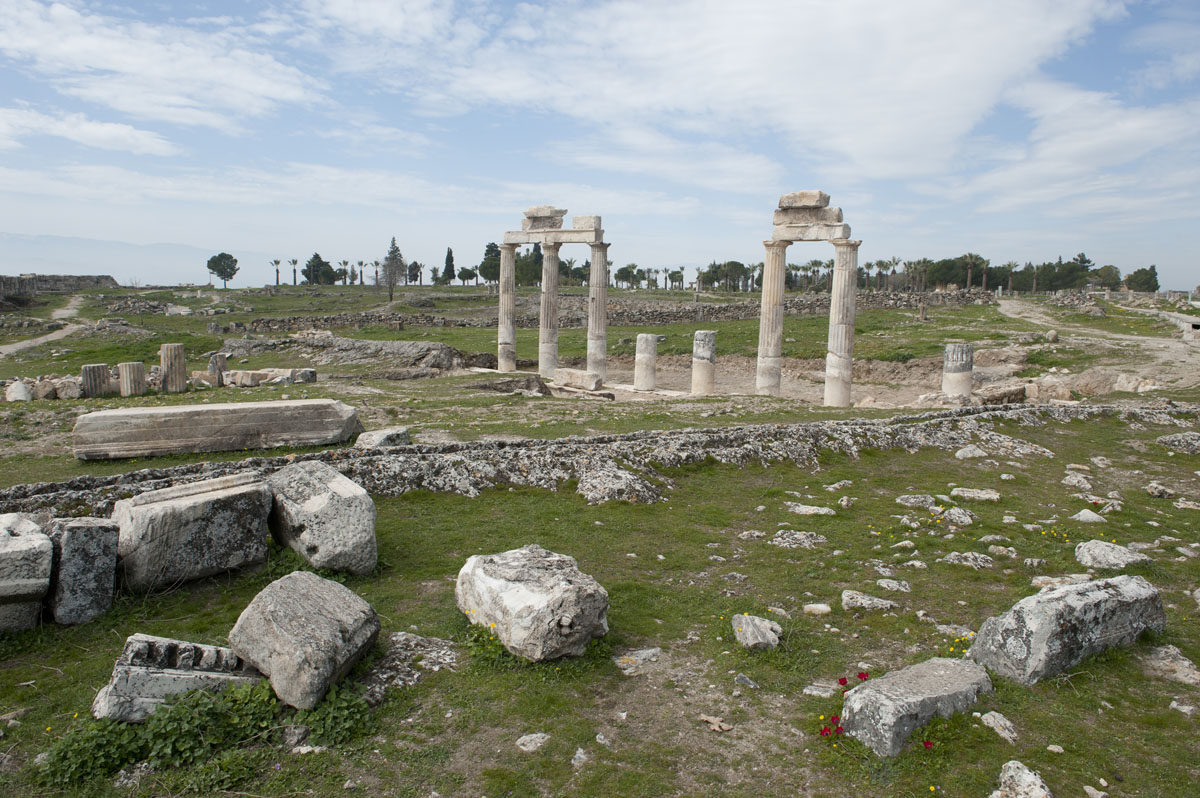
342, 716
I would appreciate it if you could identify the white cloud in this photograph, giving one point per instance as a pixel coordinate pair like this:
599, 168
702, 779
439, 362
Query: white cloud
151, 71
20, 123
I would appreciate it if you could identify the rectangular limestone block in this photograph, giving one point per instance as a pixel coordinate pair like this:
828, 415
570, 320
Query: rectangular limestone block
555, 237
186, 532
804, 199
152, 669
810, 232
585, 223
575, 378
26, 558
245, 378
543, 211
223, 427
808, 216
85, 568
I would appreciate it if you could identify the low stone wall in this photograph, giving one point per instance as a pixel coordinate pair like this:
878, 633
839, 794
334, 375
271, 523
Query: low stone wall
29, 284
623, 311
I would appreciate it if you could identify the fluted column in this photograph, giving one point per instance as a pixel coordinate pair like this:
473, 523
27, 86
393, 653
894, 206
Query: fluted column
770, 321
174, 368
506, 333
840, 358
958, 368
132, 378
597, 336
94, 380
548, 318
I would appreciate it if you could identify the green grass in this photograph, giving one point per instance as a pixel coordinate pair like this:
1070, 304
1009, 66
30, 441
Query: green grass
454, 732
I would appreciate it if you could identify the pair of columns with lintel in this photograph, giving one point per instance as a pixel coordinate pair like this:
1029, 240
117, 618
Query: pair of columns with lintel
597, 335
840, 347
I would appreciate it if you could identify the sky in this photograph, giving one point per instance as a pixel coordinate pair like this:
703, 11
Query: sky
1022, 130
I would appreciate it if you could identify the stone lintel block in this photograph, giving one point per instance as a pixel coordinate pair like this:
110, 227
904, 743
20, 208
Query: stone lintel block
85, 568
305, 633
1051, 631
191, 531
804, 199
152, 669
26, 562
149, 431
541, 211
585, 223
555, 237
324, 517
575, 378
542, 223
807, 216
884, 711
810, 232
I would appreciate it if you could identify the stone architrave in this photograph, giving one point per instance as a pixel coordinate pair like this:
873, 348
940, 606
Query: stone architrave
839, 361
324, 517
26, 562
85, 568
884, 711
958, 367
1053, 630
304, 633
152, 669
94, 380
191, 531
506, 333
645, 362
704, 361
548, 317
770, 322
539, 604
597, 335
174, 368
132, 378
220, 427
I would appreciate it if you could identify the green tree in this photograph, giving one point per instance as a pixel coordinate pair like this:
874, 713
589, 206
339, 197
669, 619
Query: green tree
489, 267
465, 274
528, 267
394, 268
317, 271
354, 274
415, 273
1143, 279
276, 264
224, 266
344, 271
1108, 276
448, 272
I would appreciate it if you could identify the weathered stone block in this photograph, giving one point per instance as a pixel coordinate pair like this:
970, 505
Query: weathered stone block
807, 216
1046, 633
85, 568
810, 232
152, 669
585, 223
378, 438
17, 391
804, 199
883, 712
574, 378
149, 431
305, 633
26, 558
539, 603
1102, 554
188, 532
324, 517
1018, 781
754, 633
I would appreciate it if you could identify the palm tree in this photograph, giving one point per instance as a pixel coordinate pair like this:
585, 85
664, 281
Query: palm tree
361, 276
893, 262
972, 260
276, 263
295, 262
345, 264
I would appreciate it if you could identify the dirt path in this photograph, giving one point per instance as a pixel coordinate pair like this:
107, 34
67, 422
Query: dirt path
68, 312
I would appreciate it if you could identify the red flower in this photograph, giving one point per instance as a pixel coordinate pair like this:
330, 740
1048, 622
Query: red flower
825, 731
863, 675
845, 691
842, 681
838, 730
835, 718
927, 744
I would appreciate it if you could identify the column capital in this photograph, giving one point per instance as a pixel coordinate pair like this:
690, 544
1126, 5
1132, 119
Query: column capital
777, 244
509, 247
846, 242
551, 247
599, 245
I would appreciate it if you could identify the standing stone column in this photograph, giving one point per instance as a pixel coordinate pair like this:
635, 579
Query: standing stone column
840, 357
770, 321
548, 318
218, 364
506, 333
645, 362
958, 369
94, 380
597, 336
704, 361
174, 368
132, 377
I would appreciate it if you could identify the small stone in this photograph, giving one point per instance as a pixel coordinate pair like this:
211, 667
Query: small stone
970, 452
532, 742
976, 494
1054, 749
745, 681
971, 559
825, 609
807, 509
893, 585
1018, 781
1001, 725
1092, 792
754, 633
1086, 516
1160, 491
853, 600
580, 759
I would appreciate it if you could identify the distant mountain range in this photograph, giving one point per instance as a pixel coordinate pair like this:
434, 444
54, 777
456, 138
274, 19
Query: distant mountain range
145, 264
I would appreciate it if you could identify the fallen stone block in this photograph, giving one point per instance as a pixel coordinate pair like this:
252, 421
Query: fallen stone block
187, 532
539, 603
1102, 554
245, 378
380, 438
26, 557
754, 633
1046, 633
976, 494
85, 568
18, 392
304, 633
150, 431
152, 669
574, 378
971, 559
1018, 781
883, 712
853, 600
324, 517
